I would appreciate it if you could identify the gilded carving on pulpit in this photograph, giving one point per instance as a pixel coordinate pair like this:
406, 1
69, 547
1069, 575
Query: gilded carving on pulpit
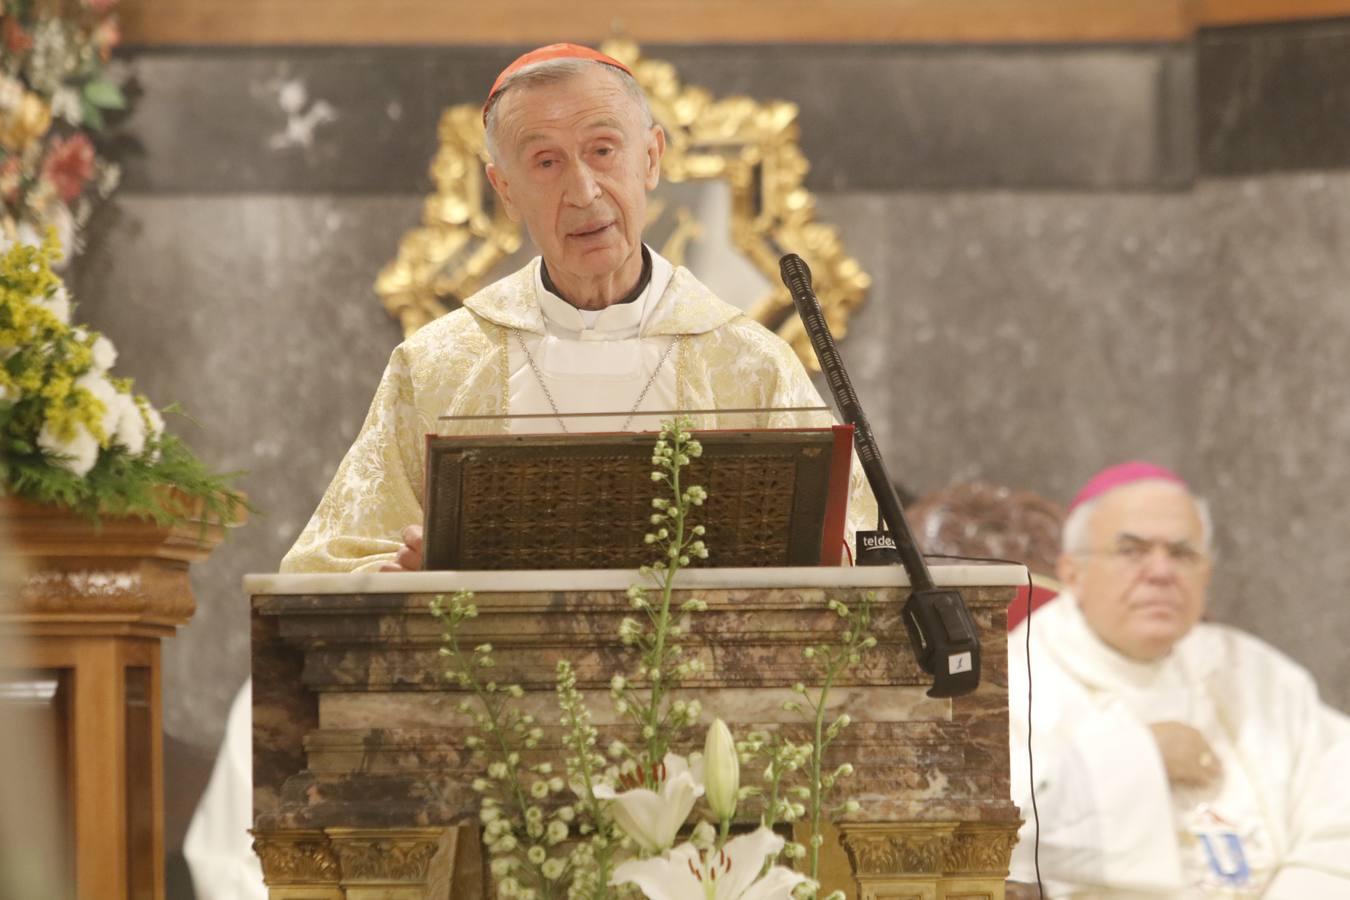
731, 203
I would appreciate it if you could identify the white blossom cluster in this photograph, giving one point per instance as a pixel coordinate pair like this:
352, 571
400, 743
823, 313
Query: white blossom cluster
657, 632
798, 784
52, 62
126, 421
611, 819
524, 815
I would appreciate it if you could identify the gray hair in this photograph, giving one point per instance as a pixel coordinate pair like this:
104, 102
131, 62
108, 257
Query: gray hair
1075, 537
552, 71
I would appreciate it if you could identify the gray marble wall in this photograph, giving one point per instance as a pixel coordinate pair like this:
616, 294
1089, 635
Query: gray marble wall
1030, 338
1079, 255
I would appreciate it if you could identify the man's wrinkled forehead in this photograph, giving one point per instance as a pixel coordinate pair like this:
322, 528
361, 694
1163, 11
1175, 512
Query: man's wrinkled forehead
533, 134
586, 102
1149, 509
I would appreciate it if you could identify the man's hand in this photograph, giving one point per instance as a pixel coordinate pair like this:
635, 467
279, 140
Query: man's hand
409, 558
1186, 755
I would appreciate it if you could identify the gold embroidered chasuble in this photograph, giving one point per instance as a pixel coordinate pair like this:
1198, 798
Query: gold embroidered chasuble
459, 365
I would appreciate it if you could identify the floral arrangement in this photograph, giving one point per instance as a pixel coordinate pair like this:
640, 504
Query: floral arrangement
602, 824
72, 434
57, 86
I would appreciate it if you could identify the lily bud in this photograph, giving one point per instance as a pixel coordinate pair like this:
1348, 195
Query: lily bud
721, 771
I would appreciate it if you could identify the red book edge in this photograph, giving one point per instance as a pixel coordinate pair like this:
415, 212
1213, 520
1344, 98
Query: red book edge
836, 498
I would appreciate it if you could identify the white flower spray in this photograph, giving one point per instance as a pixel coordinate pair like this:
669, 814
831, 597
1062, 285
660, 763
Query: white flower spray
656, 633
524, 821
545, 845
787, 762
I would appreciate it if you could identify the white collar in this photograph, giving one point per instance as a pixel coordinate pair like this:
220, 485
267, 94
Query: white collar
1066, 634
620, 321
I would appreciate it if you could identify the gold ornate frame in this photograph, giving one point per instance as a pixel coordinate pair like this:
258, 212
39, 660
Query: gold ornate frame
748, 144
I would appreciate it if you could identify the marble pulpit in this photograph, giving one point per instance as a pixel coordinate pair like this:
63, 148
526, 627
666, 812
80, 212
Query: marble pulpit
361, 776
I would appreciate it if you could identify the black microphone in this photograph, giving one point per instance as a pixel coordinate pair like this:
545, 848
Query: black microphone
941, 631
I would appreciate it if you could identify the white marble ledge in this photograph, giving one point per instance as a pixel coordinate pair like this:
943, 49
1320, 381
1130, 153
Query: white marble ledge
620, 579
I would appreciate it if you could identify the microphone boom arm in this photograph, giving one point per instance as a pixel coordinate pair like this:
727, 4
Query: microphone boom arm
941, 630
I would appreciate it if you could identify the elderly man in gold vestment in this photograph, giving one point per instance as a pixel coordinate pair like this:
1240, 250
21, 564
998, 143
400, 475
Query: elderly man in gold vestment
599, 323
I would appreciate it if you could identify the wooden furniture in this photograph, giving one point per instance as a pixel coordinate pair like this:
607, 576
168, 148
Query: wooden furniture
532, 22
80, 668
361, 775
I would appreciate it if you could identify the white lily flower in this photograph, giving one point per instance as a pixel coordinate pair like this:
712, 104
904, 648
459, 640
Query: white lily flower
722, 770
731, 873
66, 105
105, 354
76, 455
96, 384
154, 421
651, 818
130, 425
58, 304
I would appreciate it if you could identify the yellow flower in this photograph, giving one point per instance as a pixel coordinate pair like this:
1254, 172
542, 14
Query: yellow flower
25, 123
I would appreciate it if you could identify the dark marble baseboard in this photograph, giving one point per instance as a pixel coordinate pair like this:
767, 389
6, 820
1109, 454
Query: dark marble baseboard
1274, 98
363, 120
876, 118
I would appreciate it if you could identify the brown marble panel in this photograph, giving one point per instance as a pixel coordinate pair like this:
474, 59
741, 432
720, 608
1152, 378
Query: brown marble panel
283, 712
753, 706
385, 747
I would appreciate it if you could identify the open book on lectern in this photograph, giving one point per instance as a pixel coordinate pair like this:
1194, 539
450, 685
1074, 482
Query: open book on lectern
578, 499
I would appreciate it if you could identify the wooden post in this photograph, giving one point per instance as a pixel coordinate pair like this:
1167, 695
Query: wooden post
92, 606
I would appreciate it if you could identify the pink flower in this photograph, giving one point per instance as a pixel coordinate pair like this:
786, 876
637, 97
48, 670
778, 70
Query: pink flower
11, 173
16, 39
69, 165
106, 36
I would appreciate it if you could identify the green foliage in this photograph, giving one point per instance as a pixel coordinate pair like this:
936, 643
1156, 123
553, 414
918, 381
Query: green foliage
173, 489
72, 434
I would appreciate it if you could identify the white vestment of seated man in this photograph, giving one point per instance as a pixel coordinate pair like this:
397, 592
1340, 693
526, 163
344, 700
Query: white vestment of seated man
1273, 821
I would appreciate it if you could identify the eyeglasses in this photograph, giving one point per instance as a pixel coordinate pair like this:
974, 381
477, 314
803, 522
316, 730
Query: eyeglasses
1133, 552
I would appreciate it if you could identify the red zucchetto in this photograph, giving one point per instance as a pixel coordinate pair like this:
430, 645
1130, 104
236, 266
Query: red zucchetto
542, 54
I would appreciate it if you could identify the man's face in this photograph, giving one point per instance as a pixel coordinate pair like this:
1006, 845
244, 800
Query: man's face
577, 161
1141, 581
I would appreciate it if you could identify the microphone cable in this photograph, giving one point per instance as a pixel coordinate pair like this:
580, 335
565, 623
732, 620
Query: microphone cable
1031, 765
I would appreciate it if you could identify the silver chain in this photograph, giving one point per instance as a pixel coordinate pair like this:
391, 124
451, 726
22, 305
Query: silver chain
548, 395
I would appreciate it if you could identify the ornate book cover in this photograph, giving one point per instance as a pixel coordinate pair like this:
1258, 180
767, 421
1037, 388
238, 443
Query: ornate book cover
583, 501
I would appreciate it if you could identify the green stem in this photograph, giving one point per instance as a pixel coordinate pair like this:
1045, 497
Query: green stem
816, 753
495, 727
655, 750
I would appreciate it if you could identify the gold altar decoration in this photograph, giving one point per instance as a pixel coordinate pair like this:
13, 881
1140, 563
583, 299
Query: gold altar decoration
747, 145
